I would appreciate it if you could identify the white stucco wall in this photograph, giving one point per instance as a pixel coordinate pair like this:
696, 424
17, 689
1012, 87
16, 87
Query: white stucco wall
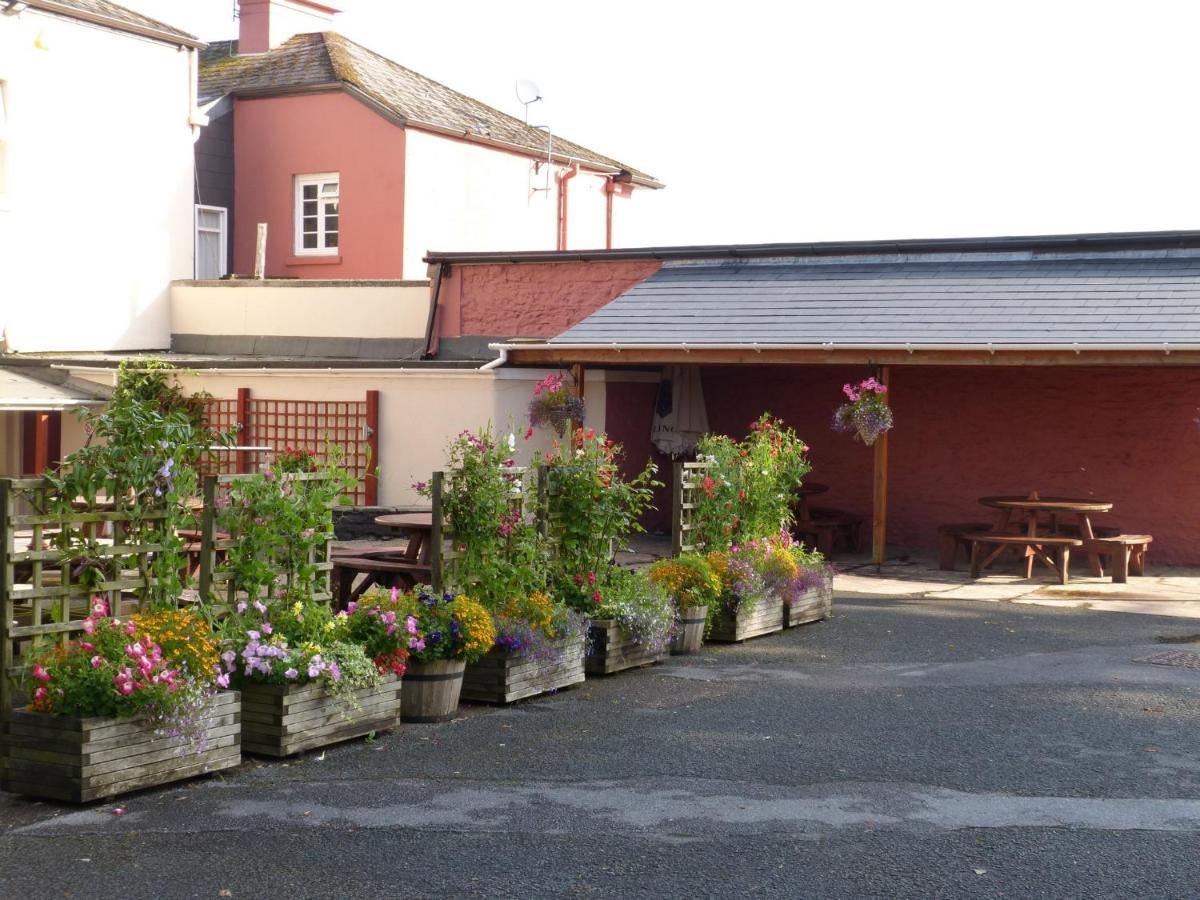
98, 216
419, 412
462, 196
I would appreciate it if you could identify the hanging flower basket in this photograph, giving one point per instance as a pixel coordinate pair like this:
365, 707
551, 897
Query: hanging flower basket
554, 406
867, 415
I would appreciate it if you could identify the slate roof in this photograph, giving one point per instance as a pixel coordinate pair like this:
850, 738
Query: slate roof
326, 58
1106, 300
40, 388
118, 15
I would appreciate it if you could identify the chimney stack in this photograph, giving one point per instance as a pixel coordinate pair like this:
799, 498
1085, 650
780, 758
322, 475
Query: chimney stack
265, 24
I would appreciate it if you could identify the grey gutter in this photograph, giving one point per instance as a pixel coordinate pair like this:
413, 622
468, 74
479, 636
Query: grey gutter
1164, 347
1137, 240
179, 39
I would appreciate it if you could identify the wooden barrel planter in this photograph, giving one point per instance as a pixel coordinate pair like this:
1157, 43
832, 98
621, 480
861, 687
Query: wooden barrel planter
814, 604
431, 690
83, 759
689, 630
502, 676
612, 649
283, 719
765, 618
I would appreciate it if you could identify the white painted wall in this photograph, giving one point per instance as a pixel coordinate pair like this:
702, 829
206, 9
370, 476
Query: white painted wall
462, 196
98, 217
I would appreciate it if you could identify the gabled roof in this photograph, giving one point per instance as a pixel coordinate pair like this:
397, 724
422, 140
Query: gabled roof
45, 389
101, 12
326, 60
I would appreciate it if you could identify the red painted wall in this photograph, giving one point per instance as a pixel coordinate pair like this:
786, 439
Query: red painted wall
279, 138
1125, 435
531, 299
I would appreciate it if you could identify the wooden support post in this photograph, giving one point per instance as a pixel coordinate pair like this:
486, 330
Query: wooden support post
208, 535
542, 514
243, 435
435, 535
578, 374
677, 509
371, 482
879, 520
7, 510
260, 252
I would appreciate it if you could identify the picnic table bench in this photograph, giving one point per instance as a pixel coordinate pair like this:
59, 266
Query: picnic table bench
1053, 551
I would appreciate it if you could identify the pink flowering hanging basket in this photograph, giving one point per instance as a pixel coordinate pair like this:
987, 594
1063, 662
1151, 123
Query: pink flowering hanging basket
867, 414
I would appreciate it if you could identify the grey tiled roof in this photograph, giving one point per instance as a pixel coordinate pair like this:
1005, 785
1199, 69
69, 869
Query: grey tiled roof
327, 58
1105, 300
119, 14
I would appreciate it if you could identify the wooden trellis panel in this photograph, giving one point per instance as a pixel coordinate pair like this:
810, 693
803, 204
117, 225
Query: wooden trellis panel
215, 575
352, 425
442, 536
688, 476
51, 601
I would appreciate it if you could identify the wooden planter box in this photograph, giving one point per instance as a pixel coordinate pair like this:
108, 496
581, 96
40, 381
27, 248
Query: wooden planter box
814, 604
79, 760
765, 618
502, 676
282, 719
431, 690
612, 649
689, 633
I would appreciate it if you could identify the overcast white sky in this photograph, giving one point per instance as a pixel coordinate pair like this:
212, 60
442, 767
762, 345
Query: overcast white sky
792, 121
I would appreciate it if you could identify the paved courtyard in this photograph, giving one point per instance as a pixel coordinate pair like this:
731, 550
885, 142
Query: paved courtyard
907, 748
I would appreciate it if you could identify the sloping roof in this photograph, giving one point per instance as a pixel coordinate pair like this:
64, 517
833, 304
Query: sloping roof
1107, 300
21, 391
326, 59
110, 14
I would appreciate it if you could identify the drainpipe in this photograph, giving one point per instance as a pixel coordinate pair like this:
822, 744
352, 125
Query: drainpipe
563, 177
196, 118
610, 188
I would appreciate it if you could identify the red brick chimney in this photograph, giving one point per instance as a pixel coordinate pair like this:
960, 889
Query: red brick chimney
265, 24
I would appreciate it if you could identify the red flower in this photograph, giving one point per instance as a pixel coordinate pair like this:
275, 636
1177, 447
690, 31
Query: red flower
596, 596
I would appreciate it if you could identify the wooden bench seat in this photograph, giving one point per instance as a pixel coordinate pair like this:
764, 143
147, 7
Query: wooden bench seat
1127, 551
1054, 551
828, 529
951, 538
382, 572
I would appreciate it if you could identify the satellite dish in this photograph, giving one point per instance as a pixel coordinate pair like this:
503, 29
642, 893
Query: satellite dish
528, 91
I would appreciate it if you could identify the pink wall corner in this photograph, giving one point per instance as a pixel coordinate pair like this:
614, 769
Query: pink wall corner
532, 299
278, 138
1122, 434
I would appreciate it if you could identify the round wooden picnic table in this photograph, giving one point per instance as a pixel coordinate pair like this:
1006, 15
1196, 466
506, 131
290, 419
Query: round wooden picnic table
419, 528
806, 490
1029, 507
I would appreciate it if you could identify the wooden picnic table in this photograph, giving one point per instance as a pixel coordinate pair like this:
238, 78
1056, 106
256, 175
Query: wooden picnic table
806, 490
418, 527
1027, 510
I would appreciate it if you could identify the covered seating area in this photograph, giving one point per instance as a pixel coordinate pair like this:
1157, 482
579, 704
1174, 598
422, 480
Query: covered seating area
1041, 387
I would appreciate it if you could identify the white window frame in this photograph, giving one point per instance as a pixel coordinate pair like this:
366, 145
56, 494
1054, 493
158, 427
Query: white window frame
298, 215
223, 234
5, 141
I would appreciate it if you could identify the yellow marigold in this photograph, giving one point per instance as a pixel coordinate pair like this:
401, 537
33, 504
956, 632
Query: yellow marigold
781, 564
185, 638
537, 609
478, 629
719, 561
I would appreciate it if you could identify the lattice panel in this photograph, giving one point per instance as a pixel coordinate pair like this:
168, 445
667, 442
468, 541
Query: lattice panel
219, 416
688, 476
309, 425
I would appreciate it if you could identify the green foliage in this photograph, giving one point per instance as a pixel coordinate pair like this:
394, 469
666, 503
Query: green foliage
279, 520
142, 452
496, 554
591, 508
748, 490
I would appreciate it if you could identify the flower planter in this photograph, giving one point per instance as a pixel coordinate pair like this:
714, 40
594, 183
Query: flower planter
612, 649
689, 630
431, 690
502, 676
765, 618
83, 759
815, 603
283, 719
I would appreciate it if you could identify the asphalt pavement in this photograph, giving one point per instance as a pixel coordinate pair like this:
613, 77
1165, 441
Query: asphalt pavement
906, 748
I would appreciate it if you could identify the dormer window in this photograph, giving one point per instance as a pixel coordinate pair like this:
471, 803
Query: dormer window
317, 214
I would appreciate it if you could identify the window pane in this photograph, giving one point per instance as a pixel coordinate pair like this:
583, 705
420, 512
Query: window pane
208, 255
329, 189
331, 239
310, 192
331, 223
208, 218
310, 225
310, 207
310, 242
331, 207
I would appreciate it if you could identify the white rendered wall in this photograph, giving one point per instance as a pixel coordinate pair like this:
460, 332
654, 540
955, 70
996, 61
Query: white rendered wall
461, 196
97, 221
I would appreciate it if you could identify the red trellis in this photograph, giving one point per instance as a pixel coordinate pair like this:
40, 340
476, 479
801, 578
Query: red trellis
352, 425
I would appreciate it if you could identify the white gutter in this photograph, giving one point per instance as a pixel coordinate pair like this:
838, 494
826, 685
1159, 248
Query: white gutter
280, 372
1164, 347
